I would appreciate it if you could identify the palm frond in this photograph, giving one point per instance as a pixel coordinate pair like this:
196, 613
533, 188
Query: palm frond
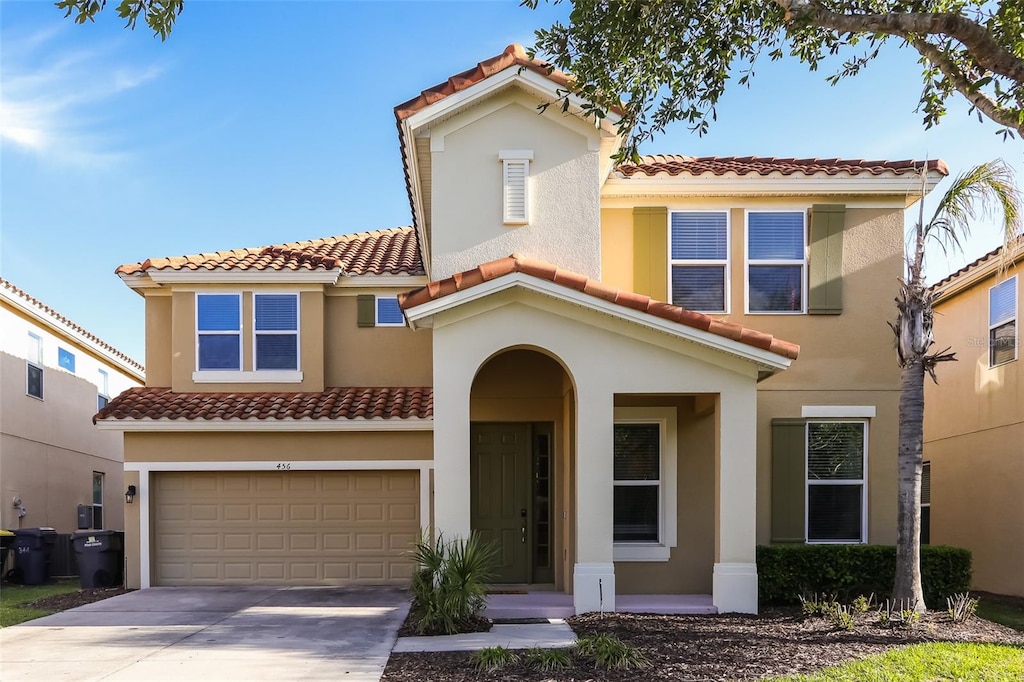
987, 190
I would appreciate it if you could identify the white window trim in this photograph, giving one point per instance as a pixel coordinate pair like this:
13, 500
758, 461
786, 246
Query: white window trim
727, 262
103, 390
509, 157
241, 359
862, 482
665, 417
747, 262
37, 363
376, 313
1015, 319
298, 326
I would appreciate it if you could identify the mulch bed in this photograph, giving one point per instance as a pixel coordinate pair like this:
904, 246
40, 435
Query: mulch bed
63, 602
408, 629
722, 647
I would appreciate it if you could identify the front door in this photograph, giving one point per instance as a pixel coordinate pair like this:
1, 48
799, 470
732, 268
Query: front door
500, 509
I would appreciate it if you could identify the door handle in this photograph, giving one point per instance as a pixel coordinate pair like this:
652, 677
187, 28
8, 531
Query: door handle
522, 513
524, 533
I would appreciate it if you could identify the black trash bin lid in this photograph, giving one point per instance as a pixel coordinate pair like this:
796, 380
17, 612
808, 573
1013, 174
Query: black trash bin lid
35, 532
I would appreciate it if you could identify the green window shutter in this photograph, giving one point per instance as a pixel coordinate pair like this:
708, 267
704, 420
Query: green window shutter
788, 484
826, 259
650, 251
366, 315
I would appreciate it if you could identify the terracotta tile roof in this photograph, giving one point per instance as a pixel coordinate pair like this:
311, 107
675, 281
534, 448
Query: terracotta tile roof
1016, 251
333, 403
394, 251
674, 164
33, 302
572, 280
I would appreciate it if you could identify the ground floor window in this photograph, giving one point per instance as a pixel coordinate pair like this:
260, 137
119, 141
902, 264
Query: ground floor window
836, 487
97, 499
644, 483
926, 503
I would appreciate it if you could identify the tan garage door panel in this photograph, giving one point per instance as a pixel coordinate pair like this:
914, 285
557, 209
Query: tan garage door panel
298, 528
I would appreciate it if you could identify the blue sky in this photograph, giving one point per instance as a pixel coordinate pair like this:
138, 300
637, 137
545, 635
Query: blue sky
264, 122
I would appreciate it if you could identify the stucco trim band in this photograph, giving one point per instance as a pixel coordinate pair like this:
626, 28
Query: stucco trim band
410, 424
837, 411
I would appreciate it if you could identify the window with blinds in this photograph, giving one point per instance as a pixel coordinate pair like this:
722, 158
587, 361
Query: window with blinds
387, 312
699, 255
277, 331
836, 489
1002, 322
516, 185
219, 331
637, 493
926, 503
776, 261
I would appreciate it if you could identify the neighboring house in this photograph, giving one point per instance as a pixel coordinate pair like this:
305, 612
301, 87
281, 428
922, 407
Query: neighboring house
55, 375
974, 420
310, 406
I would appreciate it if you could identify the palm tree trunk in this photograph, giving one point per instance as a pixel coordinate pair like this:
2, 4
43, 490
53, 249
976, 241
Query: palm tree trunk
908, 541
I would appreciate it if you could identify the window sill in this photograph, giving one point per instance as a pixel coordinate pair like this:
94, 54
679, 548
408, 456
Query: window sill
640, 552
256, 377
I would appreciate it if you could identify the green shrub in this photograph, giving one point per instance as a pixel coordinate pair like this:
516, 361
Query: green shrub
493, 658
784, 572
611, 653
449, 586
548, 660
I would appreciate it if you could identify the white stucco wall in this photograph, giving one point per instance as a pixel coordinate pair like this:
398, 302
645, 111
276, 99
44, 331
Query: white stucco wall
604, 356
466, 187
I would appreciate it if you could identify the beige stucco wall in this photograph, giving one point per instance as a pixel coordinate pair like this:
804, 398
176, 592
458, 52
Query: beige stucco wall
311, 342
689, 568
275, 446
845, 359
372, 356
466, 188
974, 428
49, 450
159, 332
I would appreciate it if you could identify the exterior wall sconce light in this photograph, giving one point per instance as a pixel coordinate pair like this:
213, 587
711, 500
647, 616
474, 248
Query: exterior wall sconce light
129, 496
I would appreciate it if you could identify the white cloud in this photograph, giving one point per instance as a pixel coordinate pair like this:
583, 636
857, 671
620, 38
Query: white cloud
55, 101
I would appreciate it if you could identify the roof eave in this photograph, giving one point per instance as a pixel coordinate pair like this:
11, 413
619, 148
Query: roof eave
423, 314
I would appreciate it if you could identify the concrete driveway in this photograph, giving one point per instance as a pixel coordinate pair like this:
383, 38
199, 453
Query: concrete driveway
211, 633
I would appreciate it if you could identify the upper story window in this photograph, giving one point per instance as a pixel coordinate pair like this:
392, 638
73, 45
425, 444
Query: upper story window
277, 331
219, 331
515, 181
34, 366
776, 261
836, 482
699, 254
1002, 322
66, 359
103, 393
388, 312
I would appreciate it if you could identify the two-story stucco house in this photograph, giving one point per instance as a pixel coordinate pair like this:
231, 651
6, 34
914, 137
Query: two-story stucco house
974, 420
54, 375
626, 375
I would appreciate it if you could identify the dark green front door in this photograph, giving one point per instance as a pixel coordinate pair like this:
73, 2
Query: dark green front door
500, 509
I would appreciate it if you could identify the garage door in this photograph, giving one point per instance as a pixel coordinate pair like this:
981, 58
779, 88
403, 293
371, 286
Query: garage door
295, 528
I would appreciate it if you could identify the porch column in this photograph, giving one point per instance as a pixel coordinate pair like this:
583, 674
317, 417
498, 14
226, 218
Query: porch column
594, 572
734, 585
451, 437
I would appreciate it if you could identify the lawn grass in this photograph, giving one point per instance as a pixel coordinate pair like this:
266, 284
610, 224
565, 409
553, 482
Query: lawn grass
932, 661
13, 600
1002, 613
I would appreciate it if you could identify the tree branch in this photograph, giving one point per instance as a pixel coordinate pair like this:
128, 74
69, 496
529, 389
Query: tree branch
985, 50
960, 81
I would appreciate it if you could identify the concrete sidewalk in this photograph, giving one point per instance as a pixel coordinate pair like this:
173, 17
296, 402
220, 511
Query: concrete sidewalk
554, 634
225, 634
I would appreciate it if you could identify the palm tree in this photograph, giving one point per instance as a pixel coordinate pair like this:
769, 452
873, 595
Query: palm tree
988, 189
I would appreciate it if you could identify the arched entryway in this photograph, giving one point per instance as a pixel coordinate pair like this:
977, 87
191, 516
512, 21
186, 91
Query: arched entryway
521, 414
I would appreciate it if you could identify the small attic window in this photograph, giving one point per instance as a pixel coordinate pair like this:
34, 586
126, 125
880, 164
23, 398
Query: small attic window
515, 177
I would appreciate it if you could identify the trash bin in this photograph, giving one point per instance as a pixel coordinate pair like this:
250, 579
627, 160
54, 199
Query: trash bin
32, 547
100, 555
6, 538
